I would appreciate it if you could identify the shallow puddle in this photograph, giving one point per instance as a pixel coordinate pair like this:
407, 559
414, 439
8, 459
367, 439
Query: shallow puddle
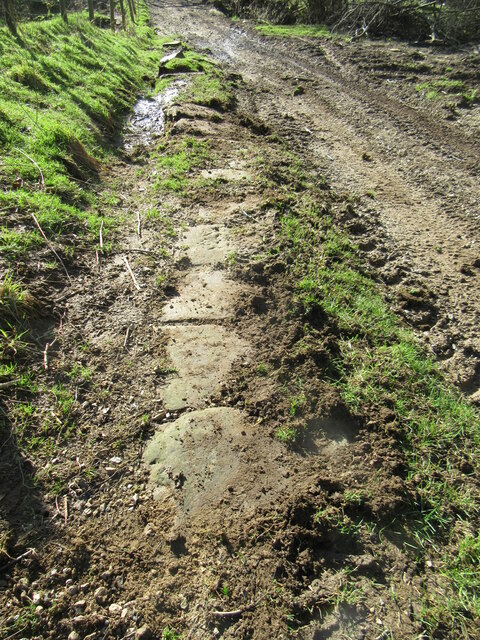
147, 121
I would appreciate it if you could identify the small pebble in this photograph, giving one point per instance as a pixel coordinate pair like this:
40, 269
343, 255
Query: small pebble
115, 609
101, 595
73, 635
80, 606
143, 633
23, 584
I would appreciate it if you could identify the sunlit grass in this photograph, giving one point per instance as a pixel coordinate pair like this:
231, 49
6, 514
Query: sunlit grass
295, 30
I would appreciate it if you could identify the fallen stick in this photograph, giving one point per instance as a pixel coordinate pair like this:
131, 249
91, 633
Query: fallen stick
13, 561
137, 286
236, 612
51, 247
65, 508
100, 235
45, 353
139, 225
42, 180
45, 357
229, 614
127, 335
9, 383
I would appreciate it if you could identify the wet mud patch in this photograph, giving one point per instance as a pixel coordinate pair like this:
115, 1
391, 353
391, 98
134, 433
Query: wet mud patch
147, 122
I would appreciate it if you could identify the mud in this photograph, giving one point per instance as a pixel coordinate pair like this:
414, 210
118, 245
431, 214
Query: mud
147, 120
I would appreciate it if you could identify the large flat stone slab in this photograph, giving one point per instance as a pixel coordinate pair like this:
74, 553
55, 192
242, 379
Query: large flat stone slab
208, 460
202, 356
204, 295
196, 457
207, 244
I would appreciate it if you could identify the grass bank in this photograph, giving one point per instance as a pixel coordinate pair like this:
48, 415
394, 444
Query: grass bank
380, 367
64, 90
295, 30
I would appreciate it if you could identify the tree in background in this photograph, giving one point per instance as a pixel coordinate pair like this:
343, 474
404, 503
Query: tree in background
63, 10
10, 19
131, 7
124, 15
13, 11
112, 15
91, 11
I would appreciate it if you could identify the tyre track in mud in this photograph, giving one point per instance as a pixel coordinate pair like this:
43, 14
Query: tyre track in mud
417, 178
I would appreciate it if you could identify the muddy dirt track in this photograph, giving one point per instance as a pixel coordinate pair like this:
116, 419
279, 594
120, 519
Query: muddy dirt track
180, 511
365, 137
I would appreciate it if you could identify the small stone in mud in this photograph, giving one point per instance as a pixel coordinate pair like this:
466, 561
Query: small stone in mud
101, 595
80, 606
115, 609
143, 633
22, 585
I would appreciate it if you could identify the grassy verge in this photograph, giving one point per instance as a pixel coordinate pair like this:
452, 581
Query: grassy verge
63, 92
445, 87
295, 30
378, 364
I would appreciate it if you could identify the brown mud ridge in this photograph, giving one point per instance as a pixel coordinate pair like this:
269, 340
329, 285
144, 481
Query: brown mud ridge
182, 508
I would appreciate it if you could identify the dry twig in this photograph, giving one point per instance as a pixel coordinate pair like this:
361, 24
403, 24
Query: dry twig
9, 383
13, 561
139, 225
127, 335
51, 247
137, 286
42, 180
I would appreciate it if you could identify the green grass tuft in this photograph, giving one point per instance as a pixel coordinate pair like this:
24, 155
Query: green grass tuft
295, 30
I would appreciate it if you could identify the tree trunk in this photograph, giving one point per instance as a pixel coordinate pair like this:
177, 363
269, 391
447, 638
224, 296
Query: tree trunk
63, 10
131, 8
112, 15
91, 12
10, 16
124, 16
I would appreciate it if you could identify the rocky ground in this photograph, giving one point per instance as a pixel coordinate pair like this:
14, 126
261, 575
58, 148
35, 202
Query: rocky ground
175, 508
